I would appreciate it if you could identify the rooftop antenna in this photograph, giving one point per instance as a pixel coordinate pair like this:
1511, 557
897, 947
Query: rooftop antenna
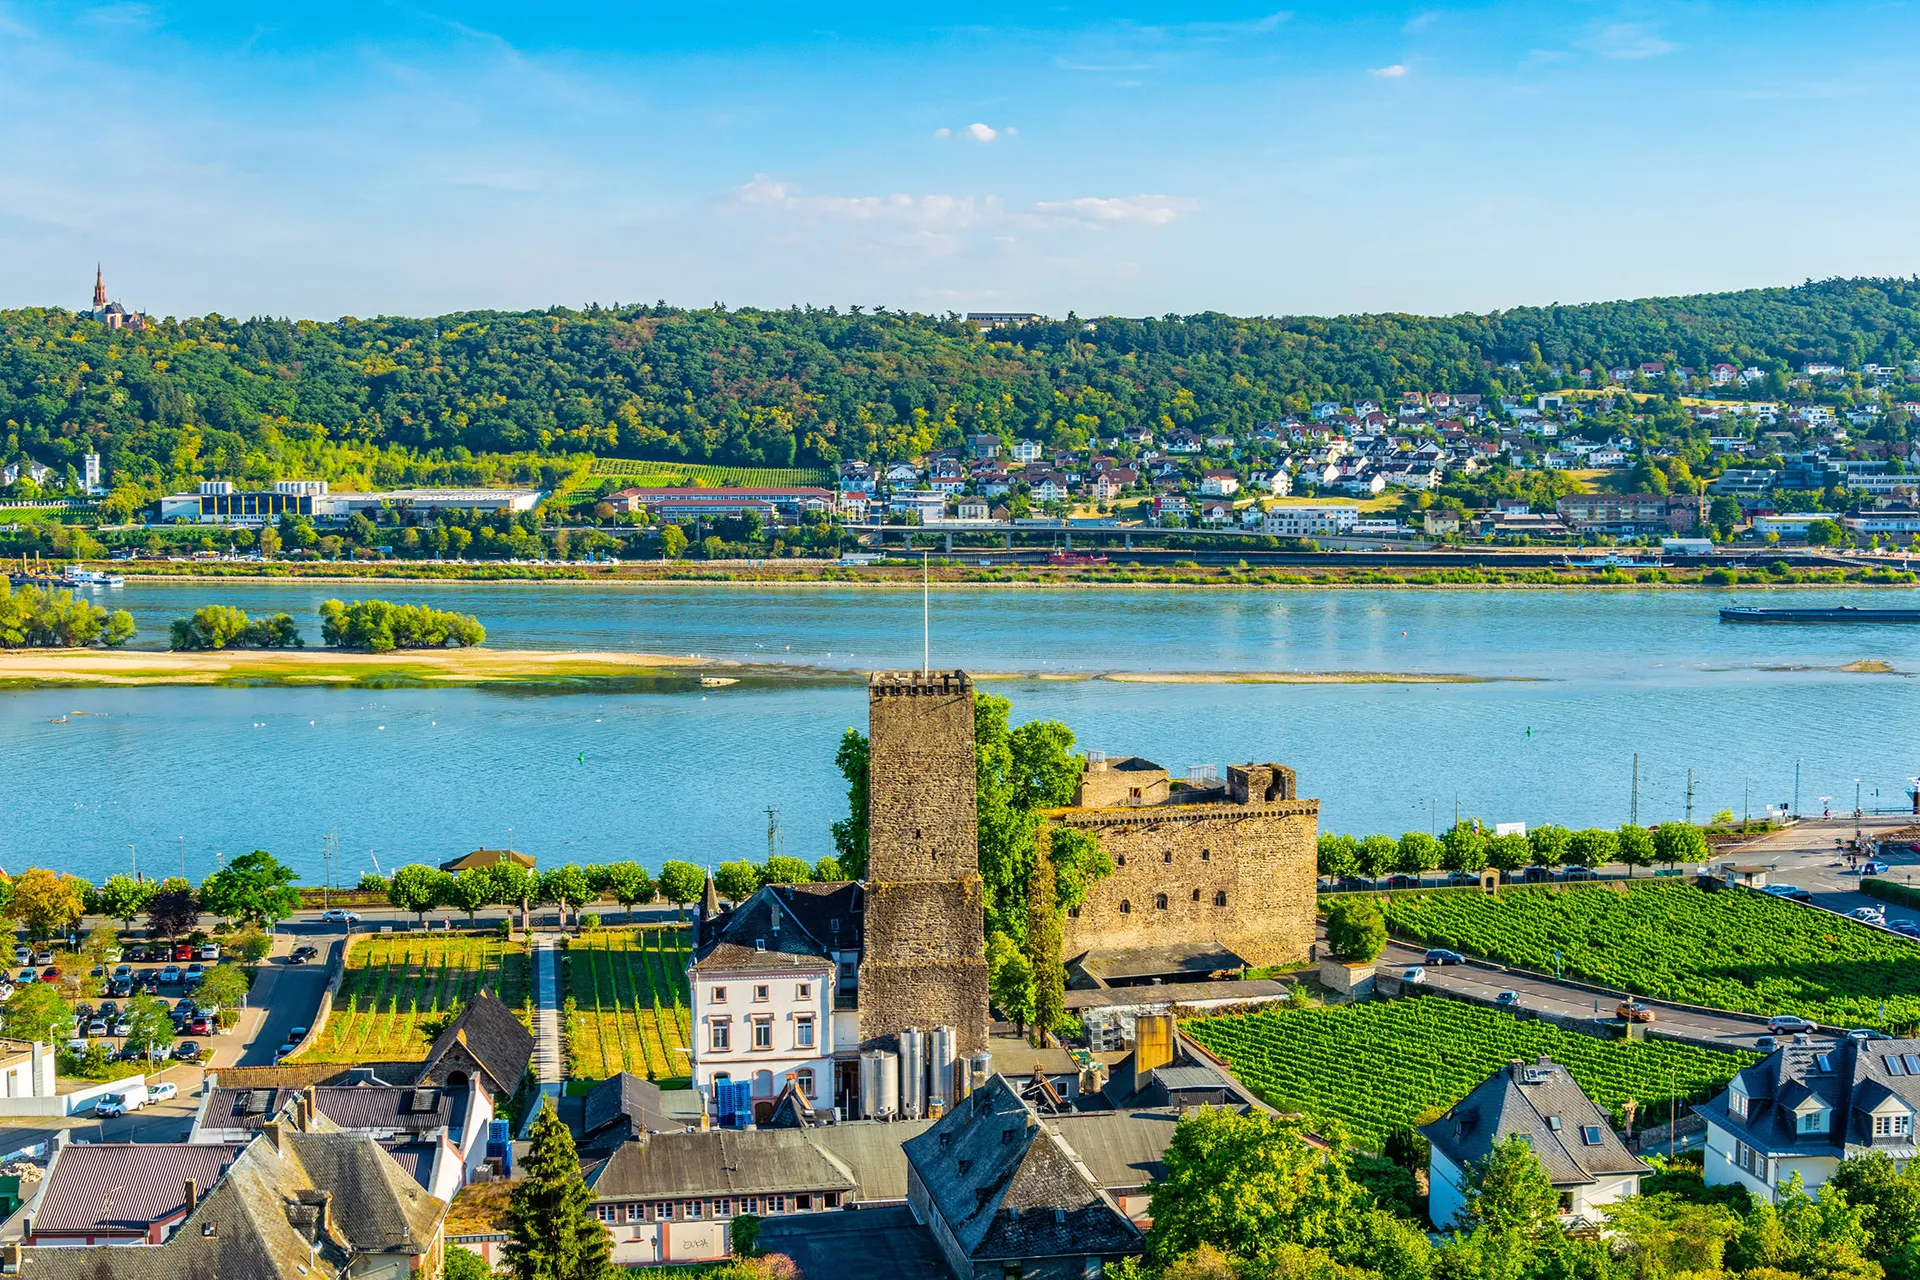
926, 620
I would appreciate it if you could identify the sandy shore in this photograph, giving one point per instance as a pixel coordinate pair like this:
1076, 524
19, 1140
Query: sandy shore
50, 668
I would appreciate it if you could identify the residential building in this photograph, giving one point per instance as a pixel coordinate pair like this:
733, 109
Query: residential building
417, 1126
1219, 484
1310, 520
1626, 514
123, 1193
686, 506
857, 477
1278, 482
1790, 525
1047, 486
1540, 1102
1216, 511
1891, 521
1003, 319
1027, 450
1171, 509
1003, 1194
972, 509
854, 505
1440, 521
983, 446
1811, 1104
1744, 482
929, 506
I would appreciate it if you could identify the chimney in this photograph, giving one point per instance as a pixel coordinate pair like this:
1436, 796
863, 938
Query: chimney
10, 1257
191, 1195
271, 1129
310, 1107
1515, 1068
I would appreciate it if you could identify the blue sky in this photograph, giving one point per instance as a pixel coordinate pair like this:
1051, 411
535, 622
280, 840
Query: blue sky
364, 157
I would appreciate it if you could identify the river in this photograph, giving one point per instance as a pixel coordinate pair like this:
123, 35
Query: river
185, 775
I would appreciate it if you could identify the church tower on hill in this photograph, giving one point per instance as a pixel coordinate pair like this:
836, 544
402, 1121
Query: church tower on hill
99, 288
925, 960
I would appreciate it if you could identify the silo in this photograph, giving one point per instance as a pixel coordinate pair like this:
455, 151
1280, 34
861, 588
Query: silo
980, 1067
879, 1085
941, 1049
913, 1073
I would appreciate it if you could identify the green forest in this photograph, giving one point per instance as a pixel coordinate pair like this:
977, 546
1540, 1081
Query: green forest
487, 396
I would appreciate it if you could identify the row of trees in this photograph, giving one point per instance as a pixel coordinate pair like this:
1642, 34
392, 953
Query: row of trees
221, 626
51, 618
380, 627
1467, 848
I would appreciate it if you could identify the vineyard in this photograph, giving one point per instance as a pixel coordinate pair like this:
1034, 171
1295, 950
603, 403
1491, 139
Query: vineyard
396, 984
629, 993
1378, 1065
1729, 950
662, 474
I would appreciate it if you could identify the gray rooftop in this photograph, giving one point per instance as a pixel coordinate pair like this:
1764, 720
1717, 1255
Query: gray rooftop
1540, 1102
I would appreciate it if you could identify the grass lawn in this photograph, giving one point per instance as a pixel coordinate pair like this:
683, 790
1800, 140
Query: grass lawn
629, 988
394, 982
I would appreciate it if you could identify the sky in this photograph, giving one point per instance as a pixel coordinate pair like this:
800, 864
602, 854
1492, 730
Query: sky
362, 157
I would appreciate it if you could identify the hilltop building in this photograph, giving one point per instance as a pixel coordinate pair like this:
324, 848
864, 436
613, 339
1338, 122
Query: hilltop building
112, 314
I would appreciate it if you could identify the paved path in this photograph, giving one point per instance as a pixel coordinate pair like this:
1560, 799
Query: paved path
548, 1064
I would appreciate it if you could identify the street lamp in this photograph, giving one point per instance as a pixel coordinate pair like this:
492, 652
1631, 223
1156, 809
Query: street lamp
1796, 788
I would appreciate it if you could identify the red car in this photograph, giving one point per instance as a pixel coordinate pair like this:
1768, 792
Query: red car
183, 952
50, 974
200, 1027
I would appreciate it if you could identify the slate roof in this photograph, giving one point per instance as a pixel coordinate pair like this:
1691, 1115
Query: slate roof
720, 1162
125, 1186
1571, 1135
262, 1219
784, 926
492, 1033
364, 1106
874, 1242
1007, 1186
620, 1106
1851, 1079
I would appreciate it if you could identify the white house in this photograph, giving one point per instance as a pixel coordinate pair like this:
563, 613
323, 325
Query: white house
1309, 520
1279, 482
1574, 1139
1219, 484
1810, 1105
1026, 451
762, 986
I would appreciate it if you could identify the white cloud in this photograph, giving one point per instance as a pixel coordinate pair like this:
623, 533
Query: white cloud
1629, 40
1146, 210
943, 133
982, 133
1394, 72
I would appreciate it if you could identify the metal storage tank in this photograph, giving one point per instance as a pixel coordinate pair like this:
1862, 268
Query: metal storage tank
942, 1048
913, 1073
980, 1067
879, 1085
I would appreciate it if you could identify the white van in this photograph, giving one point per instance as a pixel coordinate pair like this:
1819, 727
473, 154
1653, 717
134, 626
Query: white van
131, 1098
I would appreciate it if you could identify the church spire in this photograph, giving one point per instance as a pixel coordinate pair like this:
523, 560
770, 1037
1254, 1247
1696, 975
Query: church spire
99, 288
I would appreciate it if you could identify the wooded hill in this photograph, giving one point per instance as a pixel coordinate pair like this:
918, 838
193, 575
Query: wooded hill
256, 398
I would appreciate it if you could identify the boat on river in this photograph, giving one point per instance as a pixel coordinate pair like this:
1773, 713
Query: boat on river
94, 578
1838, 613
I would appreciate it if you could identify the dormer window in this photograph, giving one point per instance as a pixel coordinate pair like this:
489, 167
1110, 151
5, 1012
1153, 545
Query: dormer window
1813, 1121
1893, 1126
1737, 1104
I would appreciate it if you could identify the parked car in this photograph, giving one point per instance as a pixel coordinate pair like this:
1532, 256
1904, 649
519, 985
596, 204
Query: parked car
97, 1027
163, 1091
119, 987
28, 975
139, 955
1867, 915
23, 955
6, 990
50, 974
1416, 973
337, 916
108, 1008
183, 952
1874, 868
1790, 1024
1508, 999
1633, 1011
1860, 1035
1440, 955
1792, 892
1579, 873
301, 954
43, 956
123, 971
131, 1098
1908, 927
200, 1026
186, 1051
123, 1028
296, 1035
193, 974
170, 974
1765, 1044
210, 952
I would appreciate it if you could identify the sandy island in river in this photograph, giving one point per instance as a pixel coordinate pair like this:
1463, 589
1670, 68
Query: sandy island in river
48, 668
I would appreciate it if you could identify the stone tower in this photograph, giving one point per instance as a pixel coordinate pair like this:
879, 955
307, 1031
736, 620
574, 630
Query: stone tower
925, 961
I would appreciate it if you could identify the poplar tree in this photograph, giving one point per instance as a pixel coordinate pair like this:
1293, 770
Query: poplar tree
553, 1233
1043, 951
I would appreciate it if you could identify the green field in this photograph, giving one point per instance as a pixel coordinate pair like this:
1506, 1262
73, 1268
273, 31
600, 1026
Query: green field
395, 981
1380, 1064
645, 474
1734, 949
629, 988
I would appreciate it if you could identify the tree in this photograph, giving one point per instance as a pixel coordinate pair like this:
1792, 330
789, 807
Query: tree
251, 945
119, 629
255, 887
173, 910
1417, 854
464, 1264
151, 1030
827, 870
123, 897
736, 881
1010, 981
419, 888
224, 987
1677, 842
1356, 930
1044, 932
1377, 855
1338, 857
850, 833
472, 889
47, 903
568, 888
1509, 852
1508, 1190
514, 883
1826, 533
552, 1233
785, 870
1465, 851
1078, 862
1549, 844
1636, 847
627, 884
673, 542
1593, 847
37, 1012
681, 883
1888, 1197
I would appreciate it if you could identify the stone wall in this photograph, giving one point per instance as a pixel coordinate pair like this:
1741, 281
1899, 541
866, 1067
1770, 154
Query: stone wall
1240, 875
924, 963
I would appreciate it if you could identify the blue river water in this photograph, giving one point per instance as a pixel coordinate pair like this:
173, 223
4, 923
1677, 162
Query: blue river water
183, 775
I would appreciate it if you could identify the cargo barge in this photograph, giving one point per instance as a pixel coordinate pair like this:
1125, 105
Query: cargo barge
1839, 613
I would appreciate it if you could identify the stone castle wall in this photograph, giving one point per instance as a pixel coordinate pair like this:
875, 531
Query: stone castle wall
1240, 875
925, 962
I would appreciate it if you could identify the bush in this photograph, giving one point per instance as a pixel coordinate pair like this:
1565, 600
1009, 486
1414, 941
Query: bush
1901, 895
220, 626
380, 627
1356, 930
505, 929
591, 920
373, 882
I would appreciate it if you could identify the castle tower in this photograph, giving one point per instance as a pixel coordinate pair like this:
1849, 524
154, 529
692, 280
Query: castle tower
925, 961
99, 288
